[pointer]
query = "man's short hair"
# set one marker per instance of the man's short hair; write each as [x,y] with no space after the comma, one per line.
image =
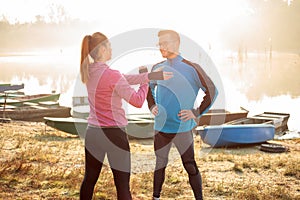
[173,34]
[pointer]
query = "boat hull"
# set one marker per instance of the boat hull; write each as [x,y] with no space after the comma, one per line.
[140,126]
[77,126]
[74,126]
[212,117]
[220,116]
[4,87]
[35,113]
[20,101]
[234,135]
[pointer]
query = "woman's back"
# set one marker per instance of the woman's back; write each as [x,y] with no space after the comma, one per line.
[106,89]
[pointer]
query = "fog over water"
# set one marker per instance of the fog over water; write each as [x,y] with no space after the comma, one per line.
[253,81]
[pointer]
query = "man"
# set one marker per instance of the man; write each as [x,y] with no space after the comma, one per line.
[172,104]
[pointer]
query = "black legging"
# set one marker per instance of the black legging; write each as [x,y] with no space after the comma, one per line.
[185,145]
[113,143]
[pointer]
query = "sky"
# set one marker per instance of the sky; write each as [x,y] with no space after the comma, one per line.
[191,17]
[131,9]
[203,20]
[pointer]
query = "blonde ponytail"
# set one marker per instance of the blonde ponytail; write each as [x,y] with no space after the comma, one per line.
[84,61]
[89,46]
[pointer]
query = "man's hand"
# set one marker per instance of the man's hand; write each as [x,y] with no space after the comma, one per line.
[186,115]
[167,75]
[154,110]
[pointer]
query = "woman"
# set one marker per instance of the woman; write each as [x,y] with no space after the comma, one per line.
[105,134]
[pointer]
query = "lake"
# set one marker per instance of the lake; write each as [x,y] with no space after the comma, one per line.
[254,80]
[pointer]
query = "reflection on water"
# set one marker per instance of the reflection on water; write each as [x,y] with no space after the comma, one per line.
[258,75]
[41,73]
[256,82]
[260,82]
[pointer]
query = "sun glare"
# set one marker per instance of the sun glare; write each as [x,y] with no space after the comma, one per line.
[222,11]
[201,20]
[14,11]
[218,13]
[212,10]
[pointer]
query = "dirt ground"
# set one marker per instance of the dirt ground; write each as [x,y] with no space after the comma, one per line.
[38,162]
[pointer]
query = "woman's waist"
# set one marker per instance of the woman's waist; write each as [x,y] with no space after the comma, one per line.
[105,126]
[107,121]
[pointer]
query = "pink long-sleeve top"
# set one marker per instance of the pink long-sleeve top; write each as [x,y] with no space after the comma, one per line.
[106,89]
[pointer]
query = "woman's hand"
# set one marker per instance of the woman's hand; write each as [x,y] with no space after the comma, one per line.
[143,69]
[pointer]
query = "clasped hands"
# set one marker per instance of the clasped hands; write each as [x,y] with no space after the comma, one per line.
[165,75]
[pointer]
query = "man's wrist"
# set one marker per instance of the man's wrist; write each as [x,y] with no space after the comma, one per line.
[156,75]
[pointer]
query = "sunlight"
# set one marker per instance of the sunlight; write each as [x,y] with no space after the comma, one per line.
[210,14]
[14,11]
[217,14]
[202,21]
[289,2]
[223,11]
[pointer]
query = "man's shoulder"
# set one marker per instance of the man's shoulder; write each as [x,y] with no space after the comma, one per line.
[157,65]
[194,66]
[190,63]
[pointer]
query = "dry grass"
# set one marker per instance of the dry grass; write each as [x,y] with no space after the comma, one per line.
[47,164]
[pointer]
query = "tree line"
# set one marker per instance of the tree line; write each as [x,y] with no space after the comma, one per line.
[273,24]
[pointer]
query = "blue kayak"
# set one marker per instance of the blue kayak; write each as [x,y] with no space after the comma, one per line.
[228,135]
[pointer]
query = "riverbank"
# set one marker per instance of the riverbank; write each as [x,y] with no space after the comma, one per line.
[38,162]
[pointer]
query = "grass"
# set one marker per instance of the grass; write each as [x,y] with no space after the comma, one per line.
[38,162]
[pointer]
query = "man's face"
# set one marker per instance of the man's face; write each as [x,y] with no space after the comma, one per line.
[168,46]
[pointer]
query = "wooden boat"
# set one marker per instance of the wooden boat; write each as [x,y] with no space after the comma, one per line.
[279,120]
[11,94]
[34,112]
[139,125]
[80,100]
[80,111]
[250,130]
[80,107]
[221,116]
[7,86]
[5,120]
[212,117]
[74,126]
[19,101]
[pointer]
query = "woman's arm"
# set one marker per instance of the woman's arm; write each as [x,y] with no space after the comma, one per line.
[135,79]
[126,92]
